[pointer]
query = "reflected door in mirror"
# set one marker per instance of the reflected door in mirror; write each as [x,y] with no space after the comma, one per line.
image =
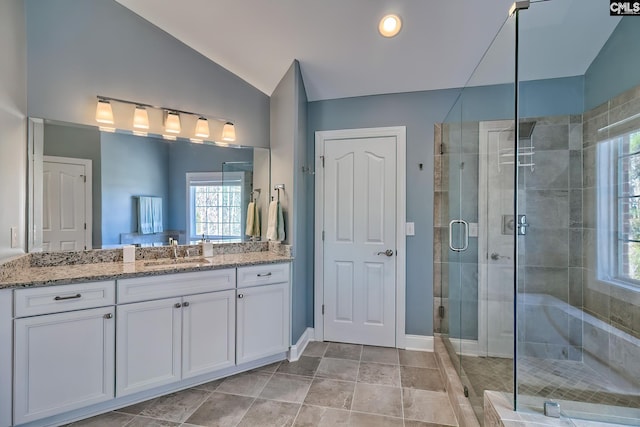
[65,204]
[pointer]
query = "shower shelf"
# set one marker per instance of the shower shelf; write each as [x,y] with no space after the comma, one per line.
[524,157]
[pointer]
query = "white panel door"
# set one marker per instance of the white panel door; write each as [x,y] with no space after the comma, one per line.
[64,206]
[262,321]
[495,254]
[208,332]
[360,226]
[63,362]
[149,345]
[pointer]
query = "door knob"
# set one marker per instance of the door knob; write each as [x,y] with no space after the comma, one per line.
[388,252]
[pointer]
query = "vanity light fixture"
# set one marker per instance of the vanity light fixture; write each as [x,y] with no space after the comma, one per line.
[172,122]
[106,129]
[196,140]
[104,113]
[229,132]
[202,128]
[389,25]
[140,118]
[140,133]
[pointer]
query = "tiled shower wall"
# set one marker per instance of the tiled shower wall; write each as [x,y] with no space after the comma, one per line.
[551,253]
[559,254]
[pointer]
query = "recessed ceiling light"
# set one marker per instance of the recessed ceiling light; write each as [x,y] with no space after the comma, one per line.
[389,25]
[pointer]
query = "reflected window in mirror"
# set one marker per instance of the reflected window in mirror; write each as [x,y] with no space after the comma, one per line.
[215,206]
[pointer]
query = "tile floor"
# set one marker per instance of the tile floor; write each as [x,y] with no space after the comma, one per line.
[331,385]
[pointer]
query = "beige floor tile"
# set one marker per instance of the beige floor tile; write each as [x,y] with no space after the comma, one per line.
[376,373]
[422,378]
[339,369]
[380,355]
[110,419]
[377,399]
[176,407]
[286,388]
[330,393]
[343,351]
[269,413]
[306,366]
[221,410]
[369,420]
[315,349]
[247,384]
[420,359]
[317,416]
[427,406]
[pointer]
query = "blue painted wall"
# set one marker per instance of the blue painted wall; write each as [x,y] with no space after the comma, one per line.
[418,111]
[617,66]
[82,142]
[77,49]
[131,166]
[288,155]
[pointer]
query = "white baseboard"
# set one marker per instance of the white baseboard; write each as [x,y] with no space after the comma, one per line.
[296,350]
[465,347]
[418,342]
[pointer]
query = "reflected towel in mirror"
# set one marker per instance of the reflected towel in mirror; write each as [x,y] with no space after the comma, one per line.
[253,220]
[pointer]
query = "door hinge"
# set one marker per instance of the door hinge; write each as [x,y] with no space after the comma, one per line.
[323,235]
[85,225]
[84,178]
[441,311]
[323,309]
[322,158]
[441,148]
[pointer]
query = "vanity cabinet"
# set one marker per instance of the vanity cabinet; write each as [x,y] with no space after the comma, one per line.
[166,340]
[263,311]
[62,361]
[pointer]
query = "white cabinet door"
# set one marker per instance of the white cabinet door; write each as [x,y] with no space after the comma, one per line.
[262,321]
[63,362]
[148,339]
[208,332]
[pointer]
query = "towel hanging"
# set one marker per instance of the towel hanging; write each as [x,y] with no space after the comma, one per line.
[275,227]
[253,220]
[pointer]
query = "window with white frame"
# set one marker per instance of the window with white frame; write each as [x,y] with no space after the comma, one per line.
[214,206]
[618,206]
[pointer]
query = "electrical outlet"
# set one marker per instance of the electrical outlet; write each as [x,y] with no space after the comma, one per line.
[411,230]
[14,237]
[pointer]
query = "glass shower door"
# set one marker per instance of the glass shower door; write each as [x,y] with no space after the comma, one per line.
[477,204]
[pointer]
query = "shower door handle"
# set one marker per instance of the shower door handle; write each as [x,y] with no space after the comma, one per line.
[465,244]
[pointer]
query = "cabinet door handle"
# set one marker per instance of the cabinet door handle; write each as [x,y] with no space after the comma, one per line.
[108,316]
[240,296]
[186,304]
[59,298]
[178,305]
[264,274]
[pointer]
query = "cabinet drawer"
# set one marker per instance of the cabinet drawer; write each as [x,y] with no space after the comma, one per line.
[264,274]
[175,285]
[55,299]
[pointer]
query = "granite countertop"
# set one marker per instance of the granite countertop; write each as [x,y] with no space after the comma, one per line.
[80,273]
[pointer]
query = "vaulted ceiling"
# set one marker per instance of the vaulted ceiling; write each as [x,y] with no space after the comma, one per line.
[342,55]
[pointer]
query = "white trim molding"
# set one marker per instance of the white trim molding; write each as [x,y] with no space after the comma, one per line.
[400,134]
[466,347]
[418,342]
[297,349]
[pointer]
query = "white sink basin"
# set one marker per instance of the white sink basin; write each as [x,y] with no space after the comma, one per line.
[181,262]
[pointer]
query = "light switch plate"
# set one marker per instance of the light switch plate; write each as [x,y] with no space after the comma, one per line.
[14,237]
[473,229]
[411,229]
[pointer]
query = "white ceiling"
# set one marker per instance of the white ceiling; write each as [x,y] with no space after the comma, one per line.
[342,55]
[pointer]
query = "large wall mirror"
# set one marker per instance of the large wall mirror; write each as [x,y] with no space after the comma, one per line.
[95,189]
